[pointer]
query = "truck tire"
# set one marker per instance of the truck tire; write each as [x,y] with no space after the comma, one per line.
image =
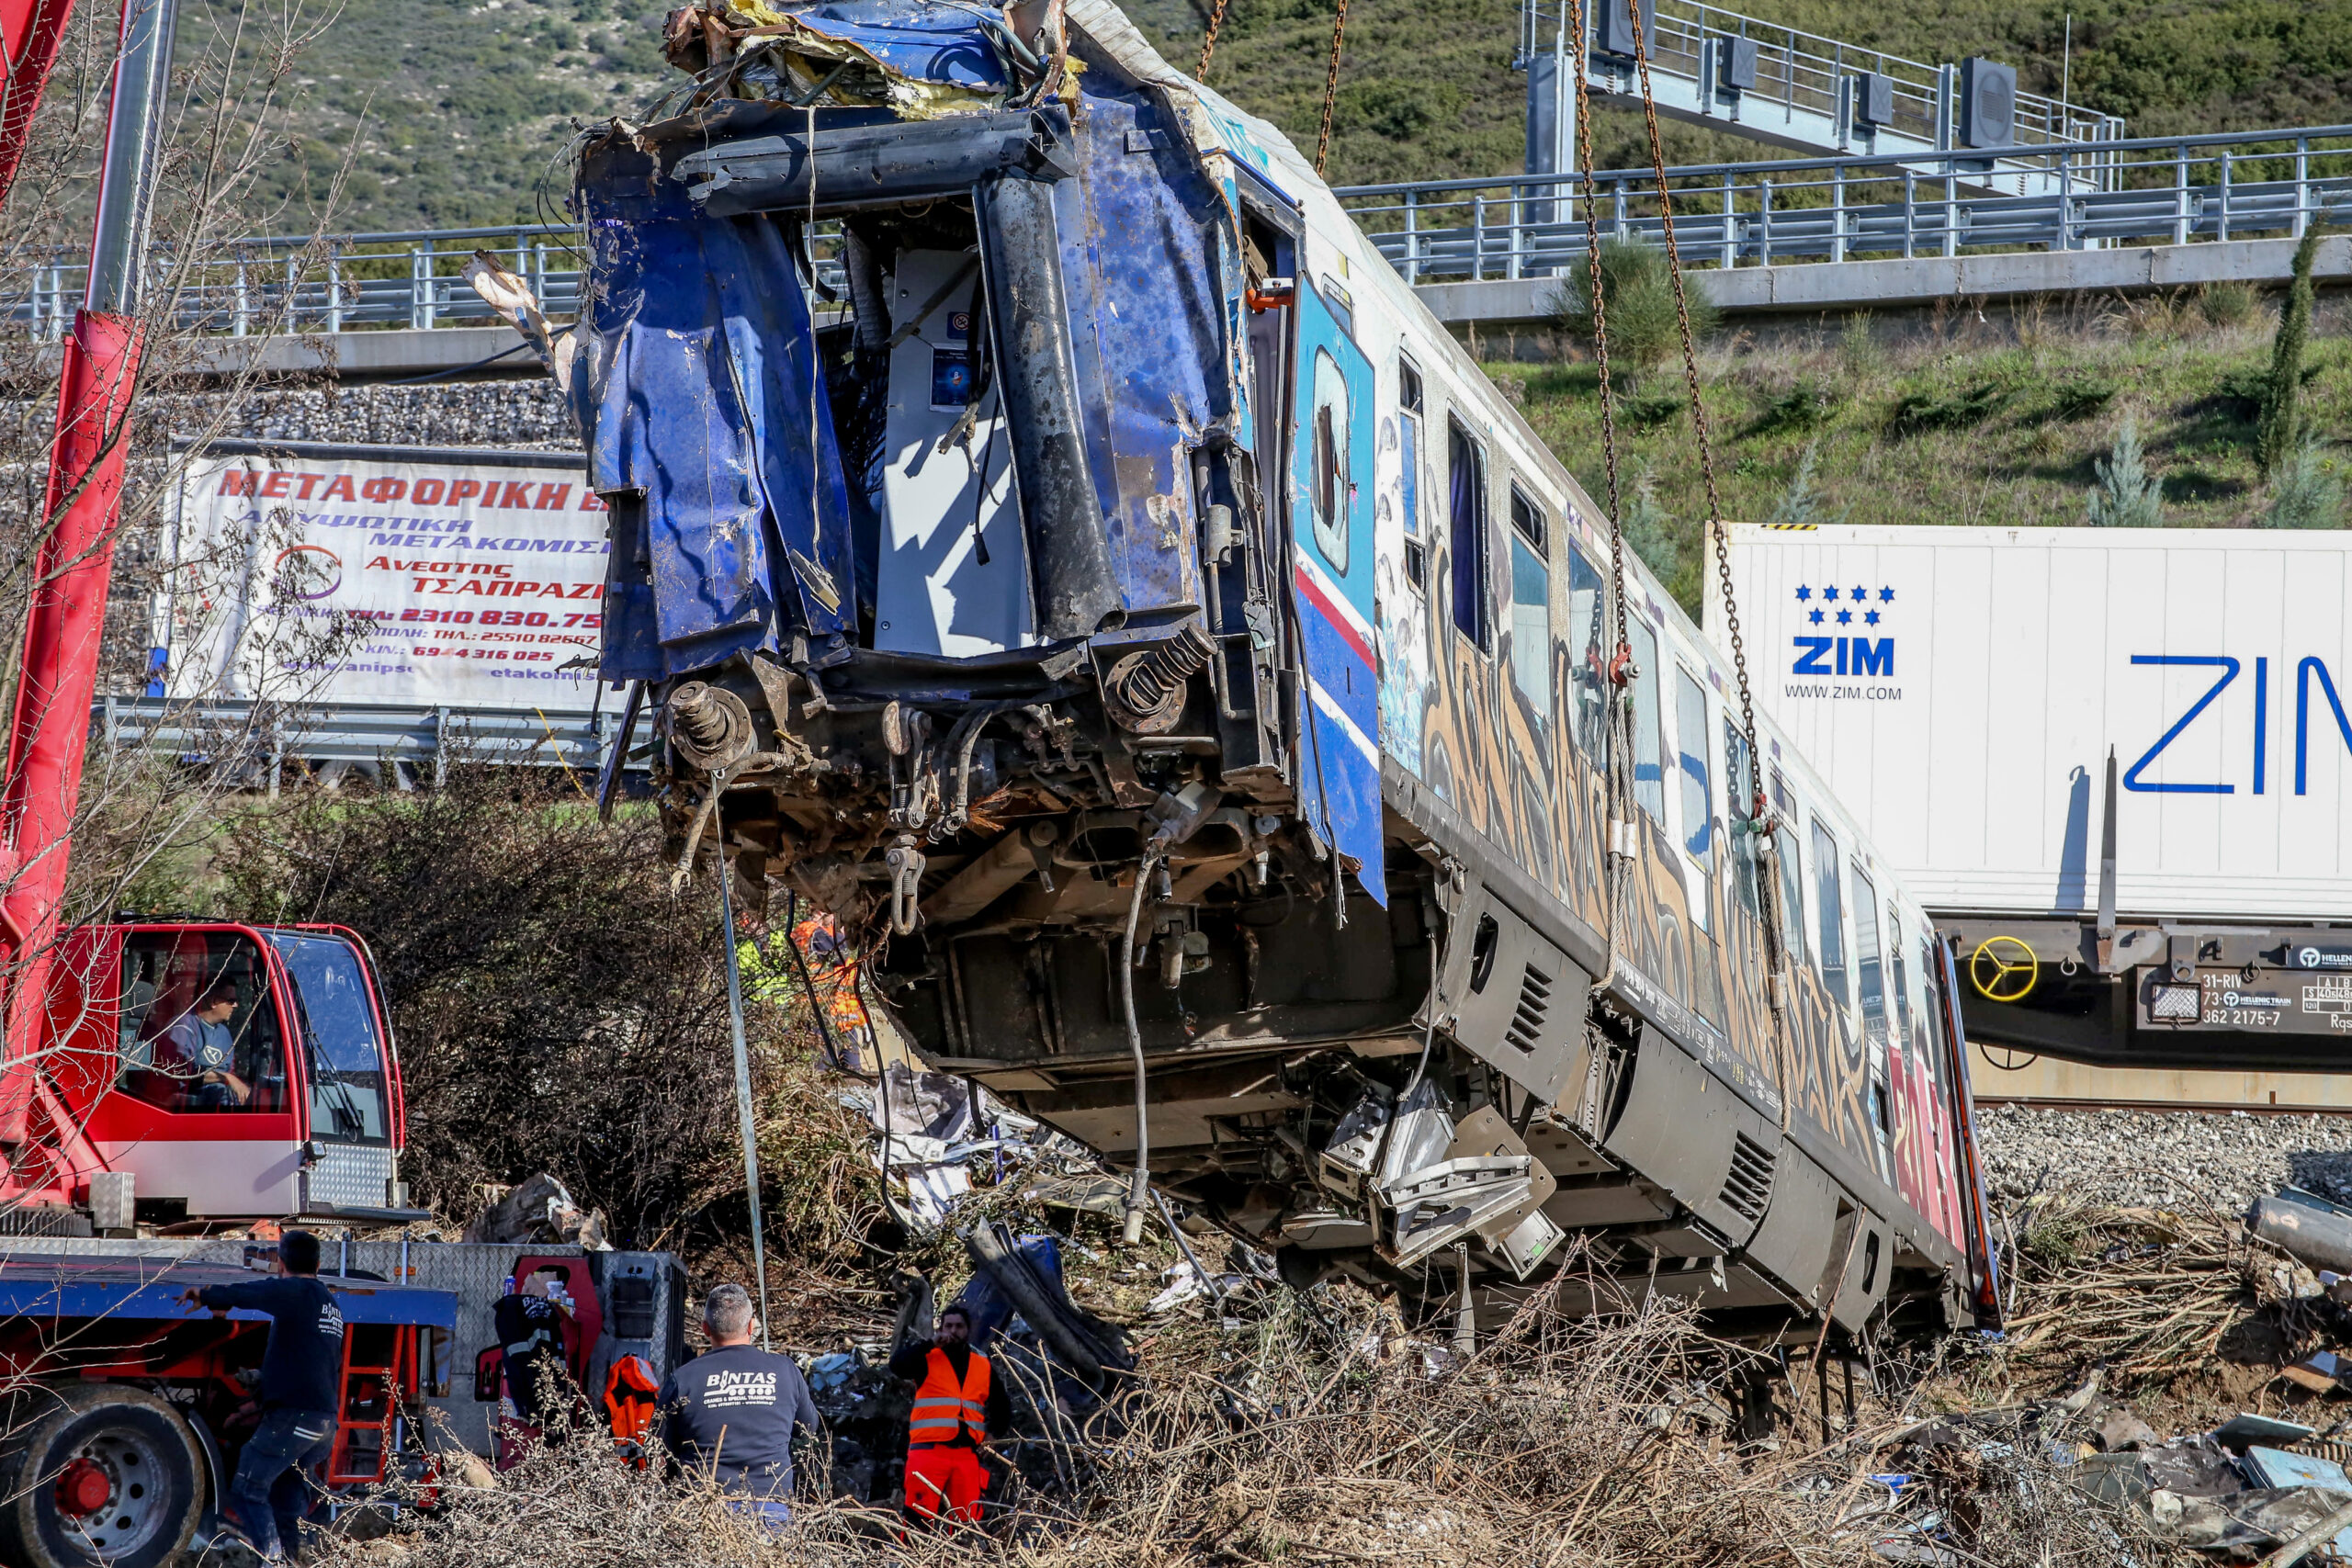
[102,1473]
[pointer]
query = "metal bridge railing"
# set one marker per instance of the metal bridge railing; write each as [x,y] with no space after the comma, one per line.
[1804,82]
[2162,190]
[2169,190]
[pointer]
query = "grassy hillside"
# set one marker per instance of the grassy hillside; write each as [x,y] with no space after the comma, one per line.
[452,110]
[1993,424]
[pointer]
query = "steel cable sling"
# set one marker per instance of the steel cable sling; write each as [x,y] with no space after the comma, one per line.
[1719,537]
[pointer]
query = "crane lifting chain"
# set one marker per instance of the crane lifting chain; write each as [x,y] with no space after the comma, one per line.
[1331,83]
[1760,817]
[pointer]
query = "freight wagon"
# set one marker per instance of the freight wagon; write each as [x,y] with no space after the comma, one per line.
[2113,764]
[1118,596]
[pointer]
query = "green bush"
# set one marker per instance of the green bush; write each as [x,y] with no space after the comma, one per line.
[2306,491]
[1806,406]
[2126,495]
[2282,414]
[1949,408]
[1637,301]
[2229,303]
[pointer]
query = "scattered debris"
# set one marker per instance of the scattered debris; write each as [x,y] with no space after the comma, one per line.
[539,1211]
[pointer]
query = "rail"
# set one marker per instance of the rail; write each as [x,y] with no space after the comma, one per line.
[2159,190]
[2155,190]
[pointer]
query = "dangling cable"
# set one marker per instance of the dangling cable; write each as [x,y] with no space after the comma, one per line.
[1617,852]
[1719,540]
[1139,1187]
[746,1122]
[1330,82]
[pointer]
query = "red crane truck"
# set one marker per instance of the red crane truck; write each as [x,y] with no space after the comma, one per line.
[193,1071]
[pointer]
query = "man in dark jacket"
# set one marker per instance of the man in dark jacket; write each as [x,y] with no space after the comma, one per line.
[301,1367]
[959,1402]
[731,1411]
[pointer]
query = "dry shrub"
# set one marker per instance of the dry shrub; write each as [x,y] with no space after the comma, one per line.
[1315,1434]
[557,1007]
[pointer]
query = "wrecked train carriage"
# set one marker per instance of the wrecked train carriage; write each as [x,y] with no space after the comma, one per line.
[1121,560]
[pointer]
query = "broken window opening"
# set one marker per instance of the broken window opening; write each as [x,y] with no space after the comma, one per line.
[1466,532]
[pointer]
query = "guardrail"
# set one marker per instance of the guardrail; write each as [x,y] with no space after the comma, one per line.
[2161,190]
[251,742]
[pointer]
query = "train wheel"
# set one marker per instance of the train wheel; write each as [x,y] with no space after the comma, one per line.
[104,1474]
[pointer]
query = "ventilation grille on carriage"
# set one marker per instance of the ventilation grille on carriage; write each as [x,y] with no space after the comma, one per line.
[1749,1185]
[1526,1030]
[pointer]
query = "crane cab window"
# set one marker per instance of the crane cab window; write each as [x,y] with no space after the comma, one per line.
[1589,635]
[1531,606]
[1829,910]
[1409,439]
[199,1030]
[1467,531]
[343,1054]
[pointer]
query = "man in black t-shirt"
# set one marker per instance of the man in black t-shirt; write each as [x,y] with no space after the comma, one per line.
[731,1411]
[301,1374]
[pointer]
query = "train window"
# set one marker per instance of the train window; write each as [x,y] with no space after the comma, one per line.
[1650,770]
[1902,981]
[1869,973]
[1467,530]
[1792,855]
[1829,909]
[1328,471]
[1529,519]
[199,1028]
[1408,438]
[1530,624]
[1690,760]
[1588,633]
[1932,999]
[1739,796]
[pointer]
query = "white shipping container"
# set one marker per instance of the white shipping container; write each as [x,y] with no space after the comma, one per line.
[1961,690]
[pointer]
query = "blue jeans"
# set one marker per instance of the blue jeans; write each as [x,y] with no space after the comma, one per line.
[267,1500]
[771,1513]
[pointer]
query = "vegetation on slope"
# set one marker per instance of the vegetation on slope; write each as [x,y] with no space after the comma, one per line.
[1997,422]
[452,110]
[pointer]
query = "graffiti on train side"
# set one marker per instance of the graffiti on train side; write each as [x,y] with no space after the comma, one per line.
[1452,713]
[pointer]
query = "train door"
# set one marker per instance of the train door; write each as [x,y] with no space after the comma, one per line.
[1331,490]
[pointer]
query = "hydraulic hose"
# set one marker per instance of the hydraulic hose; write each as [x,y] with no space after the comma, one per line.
[1139,1190]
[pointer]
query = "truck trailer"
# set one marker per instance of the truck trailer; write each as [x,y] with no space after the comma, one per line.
[2116,765]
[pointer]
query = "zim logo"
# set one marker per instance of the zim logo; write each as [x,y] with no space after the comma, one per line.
[1836,652]
[1854,655]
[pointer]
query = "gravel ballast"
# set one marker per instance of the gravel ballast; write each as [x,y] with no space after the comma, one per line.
[2171,1159]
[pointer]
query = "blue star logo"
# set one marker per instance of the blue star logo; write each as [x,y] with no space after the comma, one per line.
[1859,594]
[1886,595]
[1803,594]
[1829,593]
[1872,618]
[1845,617]
[1817,618]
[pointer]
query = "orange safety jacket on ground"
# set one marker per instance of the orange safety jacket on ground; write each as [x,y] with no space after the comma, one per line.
[944,1407]
[630,1404]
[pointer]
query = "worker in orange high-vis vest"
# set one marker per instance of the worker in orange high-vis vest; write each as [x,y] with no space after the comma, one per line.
[832,976]
[959,1404]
